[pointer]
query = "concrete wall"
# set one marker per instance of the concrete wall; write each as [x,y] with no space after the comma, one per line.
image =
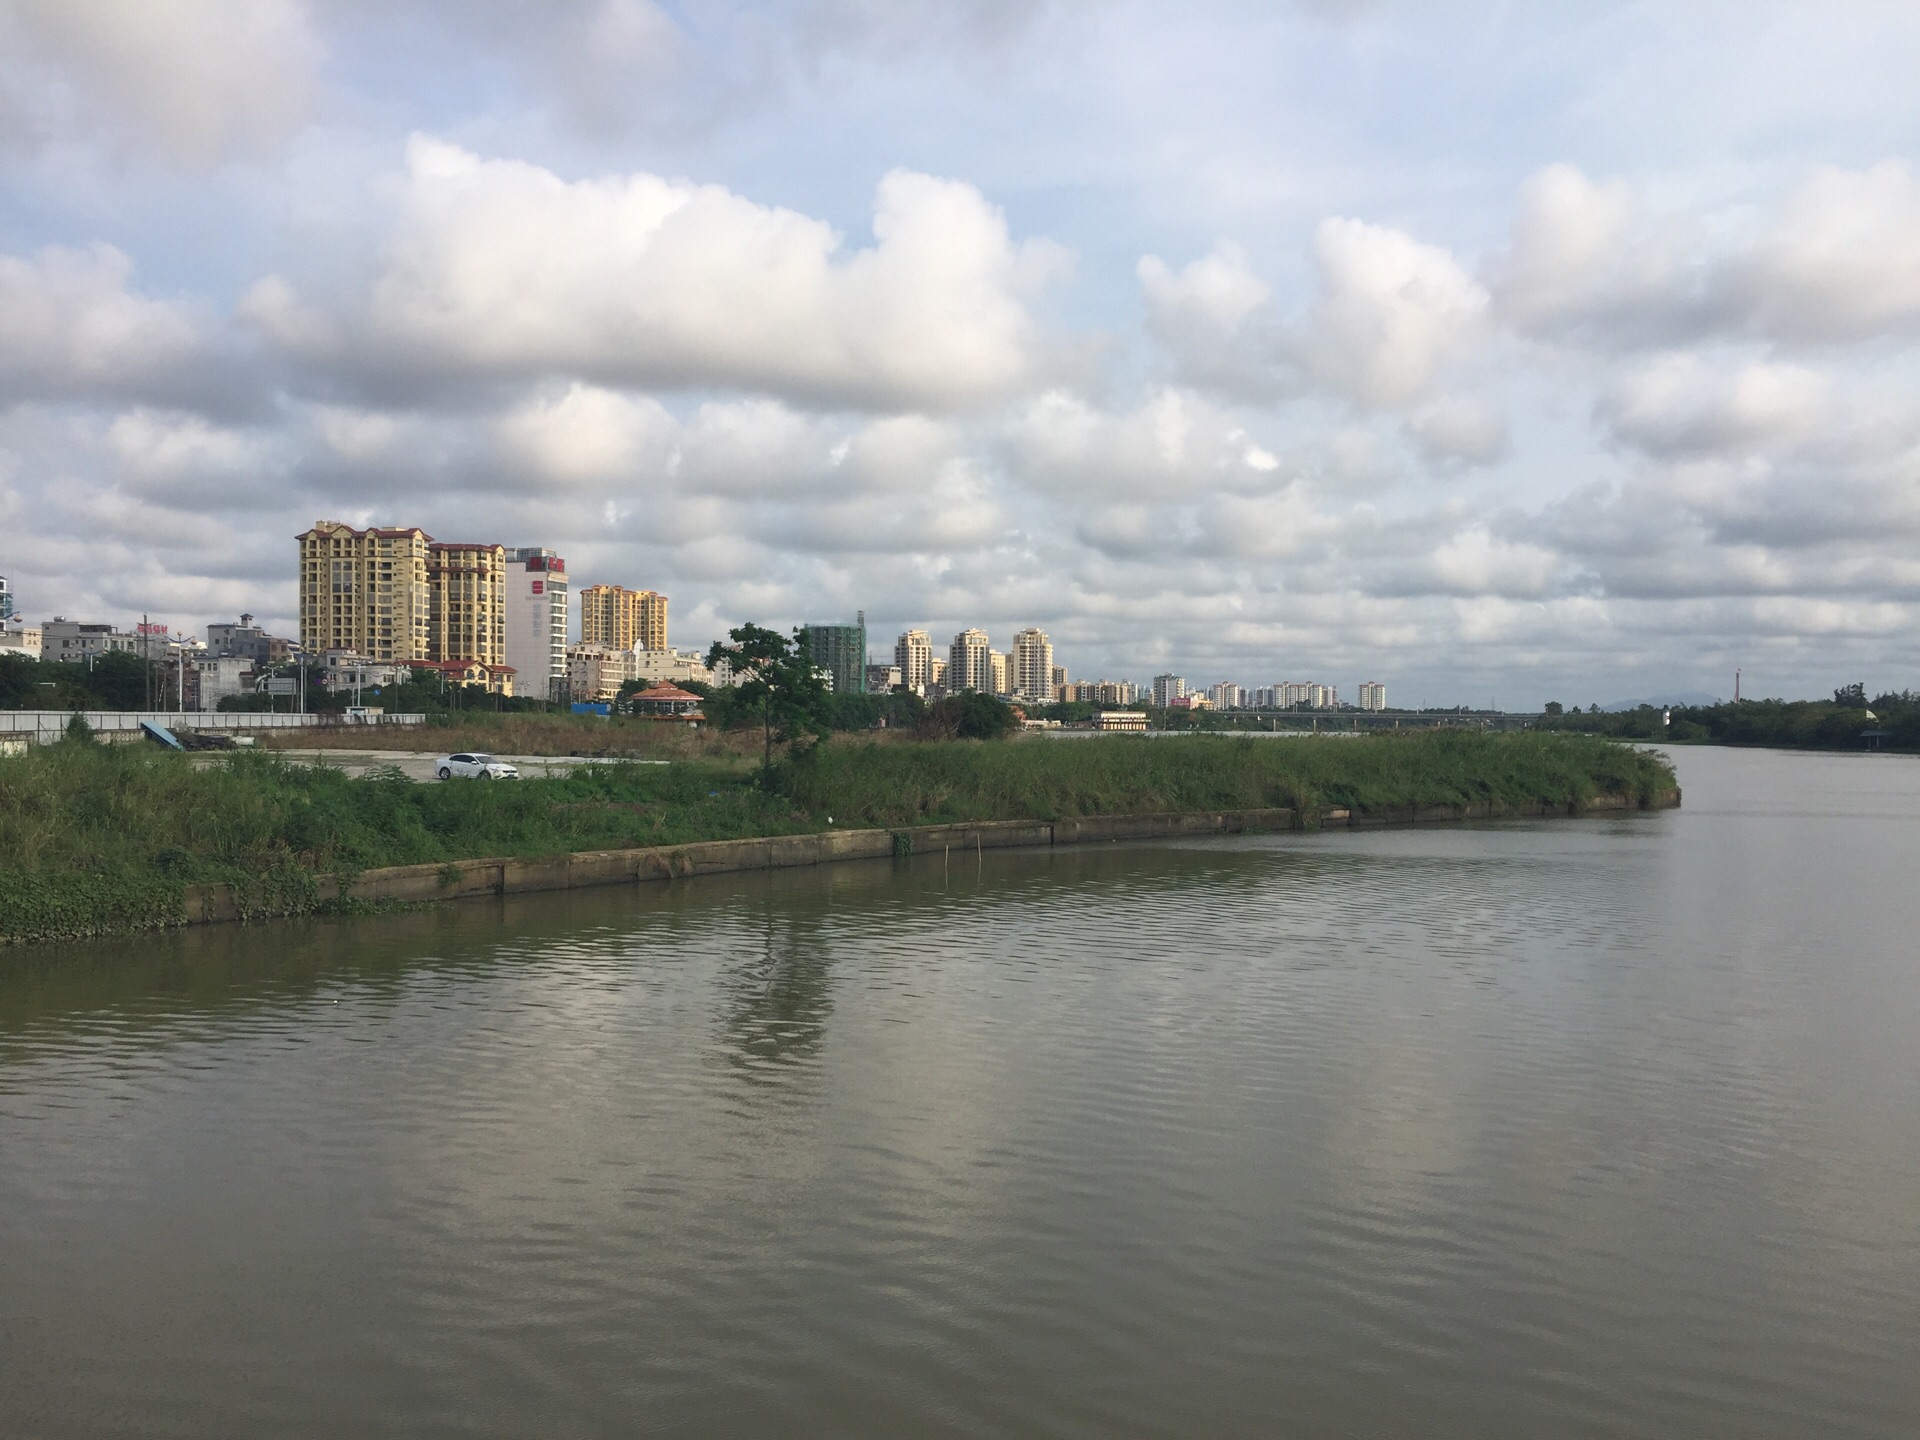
[462,879]
[43,727]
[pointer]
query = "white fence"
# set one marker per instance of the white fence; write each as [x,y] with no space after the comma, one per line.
[43,727]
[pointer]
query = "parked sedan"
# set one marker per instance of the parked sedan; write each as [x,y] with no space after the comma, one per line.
[474,767]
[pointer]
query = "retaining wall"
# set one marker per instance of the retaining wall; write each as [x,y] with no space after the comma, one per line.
[44,727]
[514,875]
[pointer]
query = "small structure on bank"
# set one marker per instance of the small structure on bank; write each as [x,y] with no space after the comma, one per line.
[667,701]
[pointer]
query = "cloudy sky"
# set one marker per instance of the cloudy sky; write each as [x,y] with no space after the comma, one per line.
[1496,351]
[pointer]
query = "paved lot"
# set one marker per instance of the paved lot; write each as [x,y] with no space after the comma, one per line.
[419,764]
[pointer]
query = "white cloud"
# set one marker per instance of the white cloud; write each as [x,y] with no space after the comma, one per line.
[200,79]
[1842,261]
[70,325]
[1391,312]
[1585,263]
[1459,429]
[498,267]
[1214,317]
[1475,562]
[1174,443]
[1677,405]
[583,435]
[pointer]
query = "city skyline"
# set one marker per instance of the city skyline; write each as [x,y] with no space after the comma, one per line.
[1232,337]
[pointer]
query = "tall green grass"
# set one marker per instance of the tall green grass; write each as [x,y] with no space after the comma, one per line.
[95,839]
[100,838]
[1047,779]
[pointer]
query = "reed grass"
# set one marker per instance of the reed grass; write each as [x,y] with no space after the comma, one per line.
[96,839]
[1049,778]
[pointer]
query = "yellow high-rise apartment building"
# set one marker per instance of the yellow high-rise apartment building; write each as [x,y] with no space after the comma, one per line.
[467,594]
[623,619]
[399,595]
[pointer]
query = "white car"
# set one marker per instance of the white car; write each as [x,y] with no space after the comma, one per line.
[474,767]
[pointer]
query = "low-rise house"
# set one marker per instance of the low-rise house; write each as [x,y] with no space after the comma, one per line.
[1124,720]
[498,679]
[350,670]
[667,702]
[597,672]
[213,678]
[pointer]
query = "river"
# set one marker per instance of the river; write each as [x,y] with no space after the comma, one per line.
[1572,1128]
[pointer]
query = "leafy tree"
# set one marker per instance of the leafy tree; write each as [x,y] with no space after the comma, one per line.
[1554,708]
[120,679]
[970,716]
[778,681]
[1853,696]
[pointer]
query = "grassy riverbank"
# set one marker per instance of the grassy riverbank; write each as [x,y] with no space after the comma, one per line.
[95,839]
[867,784]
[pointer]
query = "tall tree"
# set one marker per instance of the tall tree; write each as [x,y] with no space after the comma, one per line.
[775,675]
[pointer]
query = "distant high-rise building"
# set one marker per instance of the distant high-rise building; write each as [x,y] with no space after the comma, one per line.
[1167,689]
[841,651]
[1030,666]
[1059,680]
[1227,695]
[913,655]
[1099,692]
[997,672]
[6,600]
[467,602]
[970,663]
[1373,695]
[365,591]
[937,668]
[537,621]
[623,619]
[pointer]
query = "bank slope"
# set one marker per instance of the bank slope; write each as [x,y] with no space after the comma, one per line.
[96,839]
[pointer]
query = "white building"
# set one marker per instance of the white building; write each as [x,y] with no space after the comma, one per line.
[6,601]
[1030,666]
[537,615]
[1373,695]
[1123,720]
[970,663]
[63,639]
[1167,689]
[883,679]
[218,676]
[913,657]
[21,640]
[350,670]
[1227,696]
[596,672]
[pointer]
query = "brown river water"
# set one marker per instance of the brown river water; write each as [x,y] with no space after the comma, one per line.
[1606,1127]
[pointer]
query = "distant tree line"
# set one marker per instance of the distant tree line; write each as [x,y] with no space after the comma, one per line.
[1836,724]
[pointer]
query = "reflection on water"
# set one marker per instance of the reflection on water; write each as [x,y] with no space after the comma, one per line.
[1592,1128]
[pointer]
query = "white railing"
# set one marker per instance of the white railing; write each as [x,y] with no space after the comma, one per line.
[43,727]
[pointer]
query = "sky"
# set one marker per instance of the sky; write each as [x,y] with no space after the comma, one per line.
[1503,353]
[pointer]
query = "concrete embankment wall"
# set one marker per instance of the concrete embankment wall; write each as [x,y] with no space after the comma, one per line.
[464,879]
[45,727]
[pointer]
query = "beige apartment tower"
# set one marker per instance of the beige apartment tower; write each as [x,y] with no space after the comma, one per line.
[397,595]
[623,619]
[970,663]
[467,596]
[1030,666]
[913,653]
[365,591]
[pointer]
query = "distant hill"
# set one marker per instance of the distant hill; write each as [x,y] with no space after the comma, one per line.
[1671,697]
